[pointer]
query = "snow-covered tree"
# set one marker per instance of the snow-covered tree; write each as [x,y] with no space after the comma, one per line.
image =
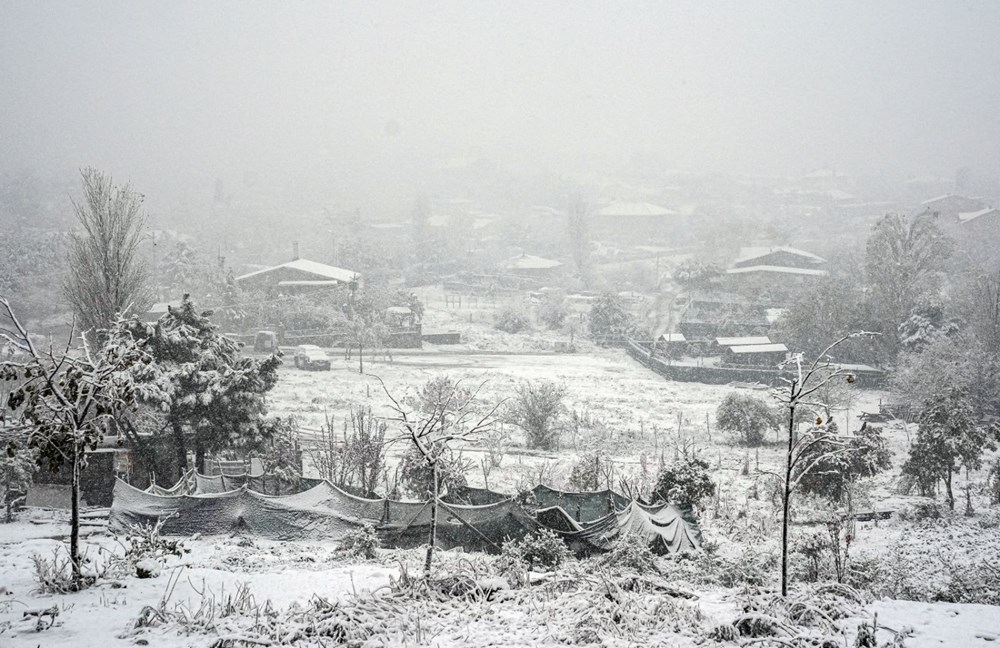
[445,413]
[107,274]
[64,403]
[210,396]
[949,438]
[746,417]
[537,408]
[904,260]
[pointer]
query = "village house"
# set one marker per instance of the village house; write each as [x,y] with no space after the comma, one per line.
[297,276]
[636,223]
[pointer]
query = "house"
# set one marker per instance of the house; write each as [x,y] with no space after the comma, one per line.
[300,275]
[950,205]
[781,256]
[755,355]
[635,222]
[532,267]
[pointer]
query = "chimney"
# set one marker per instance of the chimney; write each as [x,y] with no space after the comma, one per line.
[295,250]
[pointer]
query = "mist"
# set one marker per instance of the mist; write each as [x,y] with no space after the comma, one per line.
[361,104]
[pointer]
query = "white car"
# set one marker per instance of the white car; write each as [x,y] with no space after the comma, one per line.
[311,357]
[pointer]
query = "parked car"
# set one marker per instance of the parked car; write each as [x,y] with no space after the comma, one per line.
[311,357]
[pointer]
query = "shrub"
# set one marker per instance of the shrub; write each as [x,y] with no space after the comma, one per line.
[585,474]
[609,318]
[361,542]
[631,551]
[553,313]
[685,484]
[754,566]
[994,482]
[511,320]
[544,549]
[55,576]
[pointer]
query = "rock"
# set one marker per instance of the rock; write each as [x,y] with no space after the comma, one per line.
[147,568]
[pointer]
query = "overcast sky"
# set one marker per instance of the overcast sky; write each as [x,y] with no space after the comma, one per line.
[369,94]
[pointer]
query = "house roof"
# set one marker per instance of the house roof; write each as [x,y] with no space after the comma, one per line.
[311,267]
[811,272]
[743,341]
[759,348]
[673,337]
[965,217]
[750,253]
[530,262]
[626,209]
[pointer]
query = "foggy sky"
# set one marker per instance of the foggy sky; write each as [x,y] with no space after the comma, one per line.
[372,96]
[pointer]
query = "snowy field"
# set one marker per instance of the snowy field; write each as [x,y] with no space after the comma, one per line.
[219,589]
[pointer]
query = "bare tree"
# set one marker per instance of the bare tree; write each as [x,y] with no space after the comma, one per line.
[802,392]
[64,403]
[450,416]
[107,275]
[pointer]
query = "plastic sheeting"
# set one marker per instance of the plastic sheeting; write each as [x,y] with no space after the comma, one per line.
[664,527]
[592,523]
[583,507]
[322,512]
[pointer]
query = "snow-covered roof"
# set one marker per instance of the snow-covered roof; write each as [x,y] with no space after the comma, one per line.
[625,209]
[311,267]
[750,253]
[811,272]
[965,217]
[530,262]
[759,348]
[743,341]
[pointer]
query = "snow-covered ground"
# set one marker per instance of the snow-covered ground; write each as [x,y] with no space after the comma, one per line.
[646,418]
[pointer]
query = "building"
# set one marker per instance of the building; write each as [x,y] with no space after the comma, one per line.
[300,275]
[755,355]
[780,256]
[532,267]
[635,222]
[950,205]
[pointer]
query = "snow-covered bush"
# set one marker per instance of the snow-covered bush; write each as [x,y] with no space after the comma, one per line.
[55,575]
[511,320]
[361,542]
[685,484]
[544,549]
[553,312]
[631,552]
[17,466]
[755,566]
[585,474]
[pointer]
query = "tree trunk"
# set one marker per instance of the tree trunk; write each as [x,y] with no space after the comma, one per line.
[433,534]
[786,491]
[361,359]
[968,495]
[179,446]
[951,495]
[74,519]
[199,457]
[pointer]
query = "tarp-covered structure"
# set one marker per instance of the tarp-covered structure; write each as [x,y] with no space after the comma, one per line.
[584,507]
[664,527]
[589,522]
[321,512]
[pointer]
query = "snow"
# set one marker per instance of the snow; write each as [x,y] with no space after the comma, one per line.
[934,625]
